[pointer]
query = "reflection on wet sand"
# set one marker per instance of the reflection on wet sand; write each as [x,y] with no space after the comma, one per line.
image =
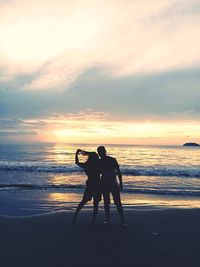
[33,202]
[160,201]
[63,197]
[140,200]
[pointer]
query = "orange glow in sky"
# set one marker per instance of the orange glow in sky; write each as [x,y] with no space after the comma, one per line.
[102,131]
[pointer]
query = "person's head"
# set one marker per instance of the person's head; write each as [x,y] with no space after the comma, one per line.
[101,151]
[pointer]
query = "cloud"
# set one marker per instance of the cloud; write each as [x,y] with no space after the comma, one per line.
[139,97]
[34,126]
[165,96]
[16,133]
[61,40]
[98,67]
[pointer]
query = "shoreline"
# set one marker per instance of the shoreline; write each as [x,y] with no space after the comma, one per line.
[27,202]
[156,238]
[89,209]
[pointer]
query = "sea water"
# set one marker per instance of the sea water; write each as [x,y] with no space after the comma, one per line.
[43,177]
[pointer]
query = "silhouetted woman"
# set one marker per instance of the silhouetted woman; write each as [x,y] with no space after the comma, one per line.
[92,190]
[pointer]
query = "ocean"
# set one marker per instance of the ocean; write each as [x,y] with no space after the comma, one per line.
[43,177]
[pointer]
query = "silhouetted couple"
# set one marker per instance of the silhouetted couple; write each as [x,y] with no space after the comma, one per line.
[102,176]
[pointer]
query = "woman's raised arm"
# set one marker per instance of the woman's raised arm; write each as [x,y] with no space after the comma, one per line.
[80,164]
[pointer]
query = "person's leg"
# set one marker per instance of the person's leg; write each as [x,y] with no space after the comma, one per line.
[86,197]
[95,209]
[106,198]
[80,206]
[117,201]
[120,211]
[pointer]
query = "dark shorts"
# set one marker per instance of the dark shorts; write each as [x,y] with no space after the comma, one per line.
[92,192]
[114,190]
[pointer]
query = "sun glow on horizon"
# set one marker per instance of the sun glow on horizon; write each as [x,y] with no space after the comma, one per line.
[99,127]
[125,132]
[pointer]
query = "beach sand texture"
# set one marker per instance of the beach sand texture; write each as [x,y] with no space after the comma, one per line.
[169,237]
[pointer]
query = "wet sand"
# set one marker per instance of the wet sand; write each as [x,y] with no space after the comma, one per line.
[158,238]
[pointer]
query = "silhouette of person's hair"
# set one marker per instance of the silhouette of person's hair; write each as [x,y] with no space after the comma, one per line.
[92,157]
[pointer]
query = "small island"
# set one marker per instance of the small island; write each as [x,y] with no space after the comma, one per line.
[191,144]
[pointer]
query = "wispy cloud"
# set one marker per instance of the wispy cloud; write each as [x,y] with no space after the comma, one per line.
[165,96]
[62,39]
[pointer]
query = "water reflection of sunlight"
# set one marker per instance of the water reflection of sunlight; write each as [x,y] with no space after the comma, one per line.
[160,201]
[60,154]
[63,197]
[64,154]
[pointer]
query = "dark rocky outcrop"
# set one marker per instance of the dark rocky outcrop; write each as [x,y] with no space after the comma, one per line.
[191,144]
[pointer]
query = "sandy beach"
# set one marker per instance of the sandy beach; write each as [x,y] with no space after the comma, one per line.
[161,238]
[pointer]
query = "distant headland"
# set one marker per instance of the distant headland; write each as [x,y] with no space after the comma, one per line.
[191,144]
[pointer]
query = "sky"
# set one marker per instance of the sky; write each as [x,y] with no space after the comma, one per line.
[109,71]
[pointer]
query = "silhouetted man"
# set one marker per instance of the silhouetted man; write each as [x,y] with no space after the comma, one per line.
[109,168]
